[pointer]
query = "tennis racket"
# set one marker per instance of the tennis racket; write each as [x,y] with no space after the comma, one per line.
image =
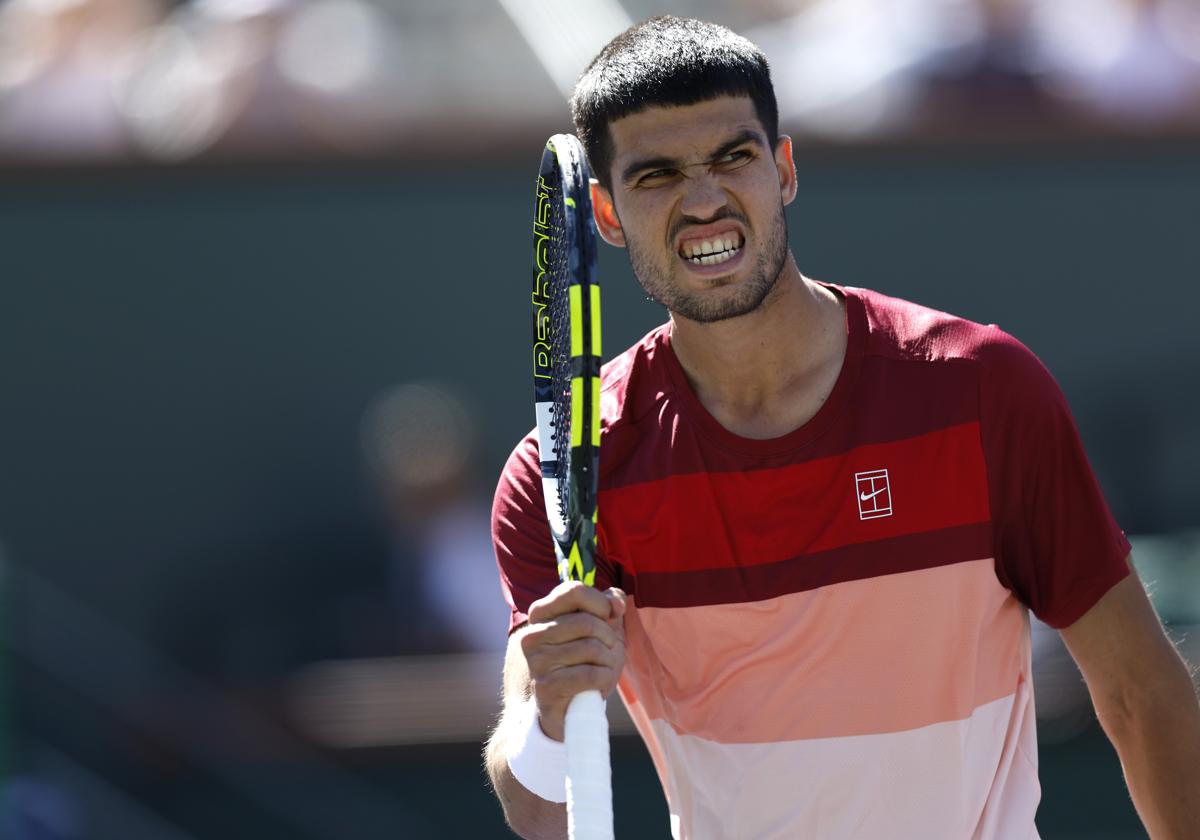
[566,386]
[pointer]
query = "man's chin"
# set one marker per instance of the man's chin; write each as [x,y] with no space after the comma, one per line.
[723,303]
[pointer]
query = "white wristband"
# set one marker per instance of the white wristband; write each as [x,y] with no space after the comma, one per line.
[535,759]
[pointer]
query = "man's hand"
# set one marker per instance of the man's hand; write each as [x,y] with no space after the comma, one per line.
[575,641]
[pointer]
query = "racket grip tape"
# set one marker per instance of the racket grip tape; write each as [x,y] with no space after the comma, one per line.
[589,775]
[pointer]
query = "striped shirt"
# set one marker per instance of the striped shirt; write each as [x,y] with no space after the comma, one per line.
[828,634]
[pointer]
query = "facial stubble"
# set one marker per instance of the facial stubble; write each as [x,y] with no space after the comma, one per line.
[709,306]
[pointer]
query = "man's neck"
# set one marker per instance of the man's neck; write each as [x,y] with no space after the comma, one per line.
[763,374]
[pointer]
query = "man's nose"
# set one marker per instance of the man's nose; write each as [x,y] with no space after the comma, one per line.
[703,196]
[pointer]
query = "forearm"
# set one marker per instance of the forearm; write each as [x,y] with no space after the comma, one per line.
[527,814]
[1158,741]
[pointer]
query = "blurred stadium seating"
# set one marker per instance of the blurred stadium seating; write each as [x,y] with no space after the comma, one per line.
[101,80]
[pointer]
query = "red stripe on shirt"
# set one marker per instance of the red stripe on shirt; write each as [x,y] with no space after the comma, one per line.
[935,481]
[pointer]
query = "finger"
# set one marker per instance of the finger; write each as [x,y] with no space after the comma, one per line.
[564,683]
[617,602]
[566,628]
[568,597]
[549,658]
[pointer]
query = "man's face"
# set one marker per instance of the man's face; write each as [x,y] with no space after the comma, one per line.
[699,196]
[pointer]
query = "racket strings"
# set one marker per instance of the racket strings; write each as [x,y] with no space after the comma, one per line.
[560,348]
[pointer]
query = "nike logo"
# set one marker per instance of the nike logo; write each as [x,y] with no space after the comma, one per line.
[867,496]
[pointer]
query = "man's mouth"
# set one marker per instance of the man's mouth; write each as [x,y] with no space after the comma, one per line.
[713,250]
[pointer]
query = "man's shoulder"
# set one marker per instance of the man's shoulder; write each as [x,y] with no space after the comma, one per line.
[1009,376]
[906,331]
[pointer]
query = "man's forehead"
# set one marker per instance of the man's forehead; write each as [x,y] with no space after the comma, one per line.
[682,130]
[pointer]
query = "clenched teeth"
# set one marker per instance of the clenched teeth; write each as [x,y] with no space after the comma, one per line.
[713,259]
[728,242]
[713,251]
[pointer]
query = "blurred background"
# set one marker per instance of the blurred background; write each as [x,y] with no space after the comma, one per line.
[263,311]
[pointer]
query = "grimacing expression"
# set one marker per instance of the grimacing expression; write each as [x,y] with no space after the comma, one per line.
[698,194]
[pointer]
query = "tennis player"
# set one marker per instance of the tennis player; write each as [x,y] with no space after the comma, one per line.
[825,515]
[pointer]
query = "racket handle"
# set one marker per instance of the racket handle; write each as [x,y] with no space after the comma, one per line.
[589,776]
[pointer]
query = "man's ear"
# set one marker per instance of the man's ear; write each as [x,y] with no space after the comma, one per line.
[605,214]
[786,165]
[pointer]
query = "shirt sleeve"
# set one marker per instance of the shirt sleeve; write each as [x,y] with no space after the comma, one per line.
[521,535]
[1057,546]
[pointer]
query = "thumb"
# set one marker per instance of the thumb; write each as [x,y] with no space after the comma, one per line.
[616,601]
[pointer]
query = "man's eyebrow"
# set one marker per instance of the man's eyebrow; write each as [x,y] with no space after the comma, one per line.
[746,135]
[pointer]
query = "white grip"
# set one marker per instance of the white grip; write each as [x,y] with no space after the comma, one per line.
[589,777]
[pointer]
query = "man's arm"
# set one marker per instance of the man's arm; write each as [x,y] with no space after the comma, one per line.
[527,814]
[574,641]
[1146,702]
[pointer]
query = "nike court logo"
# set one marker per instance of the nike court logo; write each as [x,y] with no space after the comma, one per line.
[874,494]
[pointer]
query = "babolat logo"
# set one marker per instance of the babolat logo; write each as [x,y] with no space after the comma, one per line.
[542,365]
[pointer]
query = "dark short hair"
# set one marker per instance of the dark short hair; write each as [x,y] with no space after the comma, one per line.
[667,61]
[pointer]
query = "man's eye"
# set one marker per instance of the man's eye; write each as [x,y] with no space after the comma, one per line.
[655,176]
[733,158]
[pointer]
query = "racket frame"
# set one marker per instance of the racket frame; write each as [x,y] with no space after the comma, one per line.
[563,177]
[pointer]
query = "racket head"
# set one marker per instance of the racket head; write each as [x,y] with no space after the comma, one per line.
[567,353]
